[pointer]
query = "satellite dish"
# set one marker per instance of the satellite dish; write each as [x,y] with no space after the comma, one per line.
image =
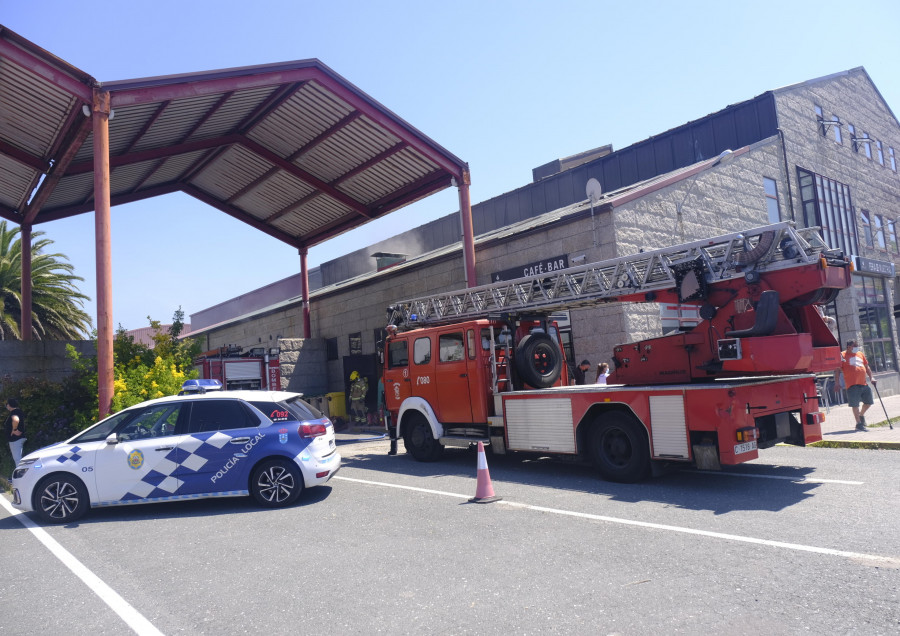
[593,190]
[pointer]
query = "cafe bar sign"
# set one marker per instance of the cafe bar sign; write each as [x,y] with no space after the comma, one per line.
[538,268]
[873,266]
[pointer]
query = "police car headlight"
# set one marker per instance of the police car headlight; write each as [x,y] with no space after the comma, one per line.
[24,465]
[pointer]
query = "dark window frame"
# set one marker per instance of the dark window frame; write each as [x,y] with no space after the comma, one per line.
[827,203]
[331,349]
[354,343]
[875,318]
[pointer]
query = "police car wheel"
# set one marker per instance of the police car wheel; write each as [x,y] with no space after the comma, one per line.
[60,498]
[276,483]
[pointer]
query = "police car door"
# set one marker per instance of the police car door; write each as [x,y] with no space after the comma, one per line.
[140,461]
[217,452]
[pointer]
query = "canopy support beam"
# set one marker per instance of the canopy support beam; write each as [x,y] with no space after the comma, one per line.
[103,240]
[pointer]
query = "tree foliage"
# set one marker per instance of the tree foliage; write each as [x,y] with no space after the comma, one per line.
[140,373]
[56,303]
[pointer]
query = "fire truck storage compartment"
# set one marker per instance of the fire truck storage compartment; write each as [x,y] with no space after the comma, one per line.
[540,424]
[669,426]
[242,375]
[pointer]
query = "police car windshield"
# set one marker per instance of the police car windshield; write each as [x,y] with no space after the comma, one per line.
[102,429]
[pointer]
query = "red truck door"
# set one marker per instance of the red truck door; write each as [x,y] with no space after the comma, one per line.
[454,401]
[397,385]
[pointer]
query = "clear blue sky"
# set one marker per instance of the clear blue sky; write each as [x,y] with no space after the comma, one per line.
[506,86]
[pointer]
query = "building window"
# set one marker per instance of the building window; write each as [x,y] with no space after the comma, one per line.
[867,228]
[852,130]
[355,342]
[892,236]
[826,204]
[892,159]
[879,232]
[331,348]
[771,188]
[867,145]
[837,128]
[880,152]
[820,119]
[875,322]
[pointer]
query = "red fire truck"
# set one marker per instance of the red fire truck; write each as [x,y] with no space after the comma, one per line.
[486,363]
[258,368]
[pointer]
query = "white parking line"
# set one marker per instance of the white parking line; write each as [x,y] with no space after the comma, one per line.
[874,559]
[801,480]
[134,619]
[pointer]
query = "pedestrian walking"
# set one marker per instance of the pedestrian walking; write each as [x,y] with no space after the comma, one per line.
[15,430]
[855,369]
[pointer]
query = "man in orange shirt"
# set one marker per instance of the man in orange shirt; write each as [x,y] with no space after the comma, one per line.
[856,369]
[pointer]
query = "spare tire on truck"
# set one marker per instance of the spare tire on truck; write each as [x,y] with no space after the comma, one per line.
[538,360]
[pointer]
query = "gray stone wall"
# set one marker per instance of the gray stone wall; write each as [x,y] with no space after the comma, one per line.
[41,359]
[874,187]
[723,199]
[302,361]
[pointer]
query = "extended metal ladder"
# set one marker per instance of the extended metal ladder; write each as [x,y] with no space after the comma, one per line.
[765,248]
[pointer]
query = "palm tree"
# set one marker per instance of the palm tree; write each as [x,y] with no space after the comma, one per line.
[56,303]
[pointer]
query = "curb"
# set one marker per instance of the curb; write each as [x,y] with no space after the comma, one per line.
[827,443]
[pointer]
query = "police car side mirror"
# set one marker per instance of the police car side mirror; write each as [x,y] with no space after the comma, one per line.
[112,438]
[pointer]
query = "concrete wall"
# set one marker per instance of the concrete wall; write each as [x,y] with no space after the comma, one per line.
[873,187]
[302,361]
[42,359]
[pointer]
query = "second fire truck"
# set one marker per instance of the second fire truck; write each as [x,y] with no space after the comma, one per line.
[486,363]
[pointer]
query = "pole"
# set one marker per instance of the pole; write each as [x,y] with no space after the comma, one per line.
[468,239]
[26,321]
[103,246]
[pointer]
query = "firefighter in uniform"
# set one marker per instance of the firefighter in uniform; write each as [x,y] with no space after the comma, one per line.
[358,388]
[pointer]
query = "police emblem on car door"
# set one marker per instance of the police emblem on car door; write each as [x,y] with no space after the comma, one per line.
[139,459]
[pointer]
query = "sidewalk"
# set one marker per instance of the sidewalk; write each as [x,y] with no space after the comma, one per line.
[839,427]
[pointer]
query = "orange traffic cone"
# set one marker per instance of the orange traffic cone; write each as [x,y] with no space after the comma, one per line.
[484,492]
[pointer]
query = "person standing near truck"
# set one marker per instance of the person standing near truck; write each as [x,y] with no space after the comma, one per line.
[580,370]
[358,388]
[15,430]
[855,369]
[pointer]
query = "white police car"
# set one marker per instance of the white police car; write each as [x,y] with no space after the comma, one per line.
[267,444]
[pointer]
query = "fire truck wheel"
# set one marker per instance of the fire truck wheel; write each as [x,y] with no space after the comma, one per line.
[538,360]
[619,448]
[276,483]
[419,442]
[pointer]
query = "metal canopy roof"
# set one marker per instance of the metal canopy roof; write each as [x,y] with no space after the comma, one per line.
[292,149]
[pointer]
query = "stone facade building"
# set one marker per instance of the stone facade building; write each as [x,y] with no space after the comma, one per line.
[819,153]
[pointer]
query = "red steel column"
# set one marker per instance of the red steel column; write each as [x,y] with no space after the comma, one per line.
[304,285]
[465,213]
[103,241]
[25,319]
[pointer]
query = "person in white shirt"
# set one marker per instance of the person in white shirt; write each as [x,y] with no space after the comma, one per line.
[602,373]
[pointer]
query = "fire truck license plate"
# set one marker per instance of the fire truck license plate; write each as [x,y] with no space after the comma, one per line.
[746,447]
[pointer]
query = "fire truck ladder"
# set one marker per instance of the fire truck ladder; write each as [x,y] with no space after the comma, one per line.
[740,254]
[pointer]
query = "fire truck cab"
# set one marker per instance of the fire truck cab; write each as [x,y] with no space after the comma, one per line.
[440,381]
